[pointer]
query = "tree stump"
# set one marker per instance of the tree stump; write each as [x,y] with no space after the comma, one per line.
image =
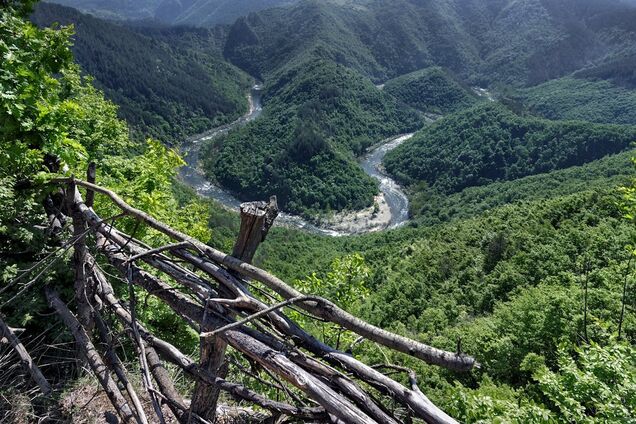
[256,220]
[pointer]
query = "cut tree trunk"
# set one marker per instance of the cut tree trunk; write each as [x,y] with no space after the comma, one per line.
[256,220]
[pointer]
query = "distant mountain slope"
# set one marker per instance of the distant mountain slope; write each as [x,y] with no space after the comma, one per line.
[431,90]
[598,101]
[494,42]
[213,12]
[429,207]
[187,12]
[522,42]
[168,84]
[378,38]
[488,143]
[114,9]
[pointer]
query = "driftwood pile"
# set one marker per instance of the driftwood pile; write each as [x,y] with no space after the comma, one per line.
[230,303]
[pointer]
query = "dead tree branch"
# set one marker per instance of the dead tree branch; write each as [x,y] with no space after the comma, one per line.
[210,291]
[25,358]
[93,358]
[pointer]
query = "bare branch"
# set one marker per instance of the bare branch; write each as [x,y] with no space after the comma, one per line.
[92,356]
[26,359]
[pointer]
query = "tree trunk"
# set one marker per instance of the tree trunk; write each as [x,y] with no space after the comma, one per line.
[256,220]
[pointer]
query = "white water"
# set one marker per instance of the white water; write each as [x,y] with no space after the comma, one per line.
[371,163]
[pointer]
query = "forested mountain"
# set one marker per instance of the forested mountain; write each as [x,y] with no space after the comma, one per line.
[520,247]
[593,100]
[511,285]
[496,43]
[431,90]
[430,207]
[515,42]
[489,143]
[213,12]
[168,83]
[379,39]
[115,9]
[187,12]
[318,117]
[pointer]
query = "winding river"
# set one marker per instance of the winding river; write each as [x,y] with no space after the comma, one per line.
[395,199]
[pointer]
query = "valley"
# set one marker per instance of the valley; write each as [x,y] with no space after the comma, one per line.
[453,174]
[392,203]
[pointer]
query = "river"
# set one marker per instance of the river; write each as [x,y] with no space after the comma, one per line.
[395,199]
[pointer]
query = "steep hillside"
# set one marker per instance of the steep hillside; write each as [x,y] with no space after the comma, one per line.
[180,12]
[429,207]
[377,38]
[317,118]
[114,9]
[489,143]
[168,84]
[520,43]
[509,284]
[521,253]
[598,101]
[208,13]
[431,90]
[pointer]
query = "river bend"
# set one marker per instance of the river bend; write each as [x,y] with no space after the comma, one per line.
[371,163]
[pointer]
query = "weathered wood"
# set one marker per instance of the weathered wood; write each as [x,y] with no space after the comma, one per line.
[143,361]
[175,356]
[194,313]
[159,373]
[80,263]
[267,341]
[416,400]
[256,220]
[206,396]
[165,385]
[258,351]
[91,176]
[36,374]
[325,309]
[118,367]
[87,349]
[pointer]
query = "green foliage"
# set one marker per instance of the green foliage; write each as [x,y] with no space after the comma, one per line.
[54,123]
[520,43]
[377,39]
[492,403]
[431,90]
[214,12]
[507,283]
[169,83]
[428,206]
[598,384]
[489,143]
[177,12]
[115,9]
[346,285]
[318,116]
[598,101]
[592,383]
[502,282]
